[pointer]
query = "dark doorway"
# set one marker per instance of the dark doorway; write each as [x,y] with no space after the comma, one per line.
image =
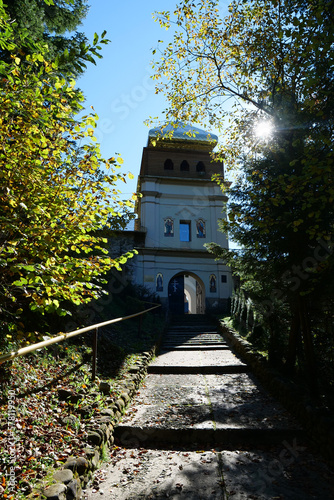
[176,295]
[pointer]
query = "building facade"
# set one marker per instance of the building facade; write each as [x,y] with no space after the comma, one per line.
[177,214]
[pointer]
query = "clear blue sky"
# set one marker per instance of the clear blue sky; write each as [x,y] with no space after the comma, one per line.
[119,86]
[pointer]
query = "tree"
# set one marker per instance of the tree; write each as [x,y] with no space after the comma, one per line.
[51,22]
[56,191]
[254,63]
[272,60]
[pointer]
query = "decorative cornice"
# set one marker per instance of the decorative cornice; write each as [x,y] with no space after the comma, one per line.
[185,209]
[182,252]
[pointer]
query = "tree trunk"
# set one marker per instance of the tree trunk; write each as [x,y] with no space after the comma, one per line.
[294,336]
[311,366]
[272,348]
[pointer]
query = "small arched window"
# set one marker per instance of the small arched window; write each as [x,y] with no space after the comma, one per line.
[200,167]
[168,164]
[184,167]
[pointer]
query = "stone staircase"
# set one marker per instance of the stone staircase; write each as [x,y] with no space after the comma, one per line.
[199,393]
[199,405]
[192,332]
[192,346]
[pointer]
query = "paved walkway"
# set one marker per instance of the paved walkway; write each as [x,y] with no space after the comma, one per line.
[201,427]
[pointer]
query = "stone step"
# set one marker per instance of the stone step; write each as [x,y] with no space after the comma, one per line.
[153,437]
[183,318]
[196,359]
[177,341]
[198,336]
[190,332]
[209,369]
[193,347]
[227,408]
[195,326]
[286,471]
[200,345]
[193,335]
[185,338]
[186,329]
[193,341]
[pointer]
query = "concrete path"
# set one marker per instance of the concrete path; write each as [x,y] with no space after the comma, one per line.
[201,427]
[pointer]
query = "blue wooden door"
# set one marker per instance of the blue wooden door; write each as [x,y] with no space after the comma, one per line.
[176,295]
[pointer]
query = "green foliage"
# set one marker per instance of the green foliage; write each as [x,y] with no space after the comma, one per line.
[266,58]
[56,191]
[51,23]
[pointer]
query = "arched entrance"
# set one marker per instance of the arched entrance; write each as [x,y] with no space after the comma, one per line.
[186,294]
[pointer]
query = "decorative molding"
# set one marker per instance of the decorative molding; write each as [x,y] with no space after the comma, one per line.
[185,210]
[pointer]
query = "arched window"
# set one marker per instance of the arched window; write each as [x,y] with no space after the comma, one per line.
[200,167]
[184,167]
[168,164]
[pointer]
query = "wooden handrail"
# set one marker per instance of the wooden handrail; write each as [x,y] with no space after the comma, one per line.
[65,336]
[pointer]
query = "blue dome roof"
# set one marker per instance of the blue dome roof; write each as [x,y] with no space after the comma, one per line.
[181,132]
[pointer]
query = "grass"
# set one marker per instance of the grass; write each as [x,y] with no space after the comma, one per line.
[256,342]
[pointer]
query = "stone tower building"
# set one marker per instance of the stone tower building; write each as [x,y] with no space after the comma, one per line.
[177,214]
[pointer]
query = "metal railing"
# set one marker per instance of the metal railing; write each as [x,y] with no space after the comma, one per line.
[65,336]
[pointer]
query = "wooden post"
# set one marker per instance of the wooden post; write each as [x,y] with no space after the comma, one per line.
[94,342]
[140,324]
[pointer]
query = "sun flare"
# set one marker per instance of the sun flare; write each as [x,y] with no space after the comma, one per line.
[263,129]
